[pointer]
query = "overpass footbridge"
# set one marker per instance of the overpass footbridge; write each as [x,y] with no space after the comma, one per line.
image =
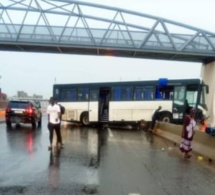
[75,27]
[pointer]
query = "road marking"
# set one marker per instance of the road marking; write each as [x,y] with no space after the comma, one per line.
[110,132]
[133,194]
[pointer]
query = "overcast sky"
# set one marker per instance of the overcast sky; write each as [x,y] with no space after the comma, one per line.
[36,73]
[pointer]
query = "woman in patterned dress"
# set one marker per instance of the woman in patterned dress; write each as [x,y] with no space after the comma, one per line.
[188,133]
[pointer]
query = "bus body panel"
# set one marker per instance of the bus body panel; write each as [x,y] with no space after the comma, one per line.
[136,110]
[93,111]
[74,110]
[119,111]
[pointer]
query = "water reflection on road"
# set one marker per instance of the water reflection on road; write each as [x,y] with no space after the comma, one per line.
[23,140]
[54,167]
[100,160]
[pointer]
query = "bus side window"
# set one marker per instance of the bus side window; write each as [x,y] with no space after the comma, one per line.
[63,95]
[171,95]
[166,92]
[116,93]
[83,94]
[94,95]
[138,93]
[122,93]
[56,93]
[72,95]
[127,93]
[158,94]
[167,95]
[148,93]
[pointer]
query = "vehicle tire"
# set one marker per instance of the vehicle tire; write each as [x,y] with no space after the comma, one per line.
[33,124]
[166,117]
[40,122]
[85,119]
[8,123]
[18,125]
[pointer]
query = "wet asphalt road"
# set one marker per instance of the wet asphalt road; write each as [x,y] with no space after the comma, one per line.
[98,161]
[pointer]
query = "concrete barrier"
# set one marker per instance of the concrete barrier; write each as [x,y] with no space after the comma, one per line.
[203,143]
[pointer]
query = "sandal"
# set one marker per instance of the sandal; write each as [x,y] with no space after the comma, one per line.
[50,148]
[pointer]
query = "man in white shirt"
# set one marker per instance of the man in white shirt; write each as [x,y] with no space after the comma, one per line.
[53,111]
[59,141]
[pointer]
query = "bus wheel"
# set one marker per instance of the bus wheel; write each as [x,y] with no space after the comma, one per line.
[85,119]
[166,117]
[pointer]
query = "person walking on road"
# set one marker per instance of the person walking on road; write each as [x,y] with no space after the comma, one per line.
[53,111]
[188,133]
[62,111]
[155,117]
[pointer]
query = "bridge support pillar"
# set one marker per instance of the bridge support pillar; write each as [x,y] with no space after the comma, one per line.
[208,76]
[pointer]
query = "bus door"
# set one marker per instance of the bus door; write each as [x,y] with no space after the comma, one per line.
[104,99]
[93,105]
[178,103]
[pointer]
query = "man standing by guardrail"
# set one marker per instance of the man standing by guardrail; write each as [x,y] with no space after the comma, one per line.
[155,117]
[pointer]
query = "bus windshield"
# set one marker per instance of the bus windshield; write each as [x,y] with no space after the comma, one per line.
[191,95]
[202,96]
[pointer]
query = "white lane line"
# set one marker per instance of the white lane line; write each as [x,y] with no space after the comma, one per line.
[133,194]
[92,174]
[110,134]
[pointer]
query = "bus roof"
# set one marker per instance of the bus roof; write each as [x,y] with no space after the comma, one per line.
[147,82]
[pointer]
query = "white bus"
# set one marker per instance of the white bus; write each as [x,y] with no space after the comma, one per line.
[131,101]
